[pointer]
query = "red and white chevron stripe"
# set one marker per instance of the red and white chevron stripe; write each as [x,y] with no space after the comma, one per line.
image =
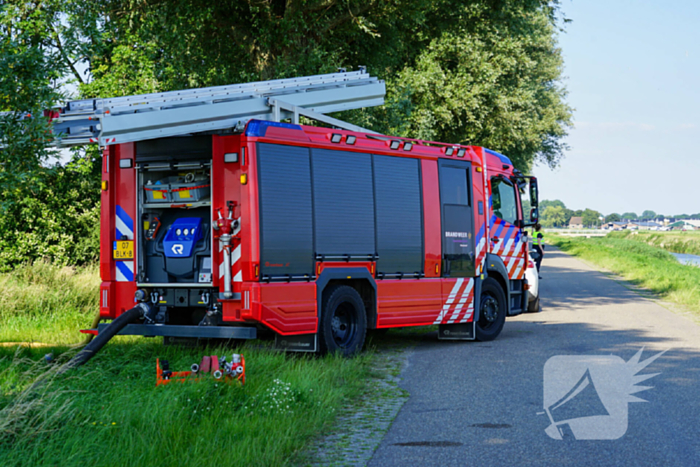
[514,260]
[466,298]
[481,255]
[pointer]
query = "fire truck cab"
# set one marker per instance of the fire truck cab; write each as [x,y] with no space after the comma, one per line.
[314,233]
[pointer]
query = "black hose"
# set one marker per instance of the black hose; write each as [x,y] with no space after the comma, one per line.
[102,338]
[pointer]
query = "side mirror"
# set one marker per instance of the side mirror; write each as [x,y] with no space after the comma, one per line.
[534,215]
[534,200]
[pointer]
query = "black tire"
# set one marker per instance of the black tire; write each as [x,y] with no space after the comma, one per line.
[534,306]
[492,310]
[343,325]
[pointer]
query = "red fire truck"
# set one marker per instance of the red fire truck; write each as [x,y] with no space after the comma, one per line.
[317,234]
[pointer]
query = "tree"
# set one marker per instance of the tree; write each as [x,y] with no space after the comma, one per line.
[612,217]
[553,216]
[629,216]
[648,215]
[545,203]
[46,210]
[480,72]
[591,218]
[26,90]
[659,217]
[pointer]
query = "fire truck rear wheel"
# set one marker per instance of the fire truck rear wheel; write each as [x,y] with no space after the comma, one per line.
[343,325]
[492,310]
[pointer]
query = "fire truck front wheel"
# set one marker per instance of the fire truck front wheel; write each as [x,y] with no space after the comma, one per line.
[343,325]
[492,310]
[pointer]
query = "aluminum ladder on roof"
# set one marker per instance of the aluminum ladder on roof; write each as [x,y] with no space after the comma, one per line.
[149,116]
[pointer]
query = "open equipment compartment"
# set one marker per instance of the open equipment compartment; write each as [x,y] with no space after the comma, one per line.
[174,211]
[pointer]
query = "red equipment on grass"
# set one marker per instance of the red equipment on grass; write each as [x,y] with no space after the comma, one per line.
[228,372]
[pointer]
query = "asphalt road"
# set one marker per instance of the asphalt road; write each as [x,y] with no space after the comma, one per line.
[477,403]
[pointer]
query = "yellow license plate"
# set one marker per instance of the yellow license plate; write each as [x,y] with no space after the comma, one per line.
[123,249]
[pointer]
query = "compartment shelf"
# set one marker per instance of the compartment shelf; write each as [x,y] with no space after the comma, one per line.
[196,204]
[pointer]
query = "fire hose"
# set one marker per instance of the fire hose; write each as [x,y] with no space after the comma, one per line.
[89,351]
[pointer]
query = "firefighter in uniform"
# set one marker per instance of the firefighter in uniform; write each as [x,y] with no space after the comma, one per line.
[538,245]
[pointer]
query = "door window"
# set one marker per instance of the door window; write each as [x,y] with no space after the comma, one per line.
[503,197]
[457,223]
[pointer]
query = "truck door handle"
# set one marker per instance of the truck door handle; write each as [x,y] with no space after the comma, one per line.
[495,239]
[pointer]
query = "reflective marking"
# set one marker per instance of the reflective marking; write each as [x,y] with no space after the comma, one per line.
[469,313]
[508,246]
[238,277]
[124,224]
[450,299]
[518,270]
[236,255]
[462,301]
[125,271]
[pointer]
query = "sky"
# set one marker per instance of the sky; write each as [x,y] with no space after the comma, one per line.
[632,71]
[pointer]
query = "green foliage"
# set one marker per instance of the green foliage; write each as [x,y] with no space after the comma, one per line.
[109,412]
[545,203]
[486,81]
[613,217]
[43,302]
[476,72]
[57,219]
[648,215]
[591,218]
[676,242]
[553,216]
[644,265]
[26,90]
[630,216]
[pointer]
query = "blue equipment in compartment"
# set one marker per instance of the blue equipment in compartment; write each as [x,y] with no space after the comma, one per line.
[181,237]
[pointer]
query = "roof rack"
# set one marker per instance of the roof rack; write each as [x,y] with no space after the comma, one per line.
[149,116]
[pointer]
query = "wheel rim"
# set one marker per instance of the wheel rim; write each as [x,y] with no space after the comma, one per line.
[344,324]
[489,311]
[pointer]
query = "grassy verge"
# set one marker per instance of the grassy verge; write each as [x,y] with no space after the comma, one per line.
[46,303]
[109,412]
[642,264]
[677,242]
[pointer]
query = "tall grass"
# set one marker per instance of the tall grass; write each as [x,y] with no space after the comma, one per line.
[677,242]
[110,413]
[645,265]
[41,302]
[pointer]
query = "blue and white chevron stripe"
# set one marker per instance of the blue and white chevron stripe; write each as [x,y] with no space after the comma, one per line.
[124,229]
[125,271]
[124,224]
